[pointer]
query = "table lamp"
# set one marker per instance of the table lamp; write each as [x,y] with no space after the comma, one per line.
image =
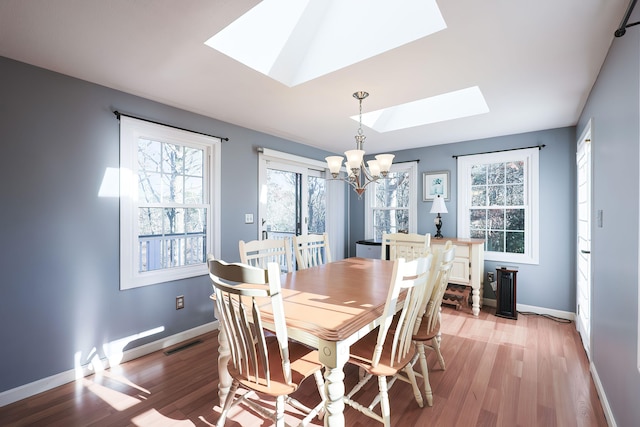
[438,207]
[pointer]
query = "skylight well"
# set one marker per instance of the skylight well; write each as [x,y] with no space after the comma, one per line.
[453,105]
[295,41]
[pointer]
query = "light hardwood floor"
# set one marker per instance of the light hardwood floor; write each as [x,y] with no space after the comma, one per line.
[500,372]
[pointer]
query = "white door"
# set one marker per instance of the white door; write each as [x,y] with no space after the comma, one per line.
[583,287]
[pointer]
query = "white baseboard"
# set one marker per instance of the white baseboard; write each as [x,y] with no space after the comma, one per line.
[608,414]
[533,309]
[44,384]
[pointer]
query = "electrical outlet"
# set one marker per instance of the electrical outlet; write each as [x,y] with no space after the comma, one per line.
[179,302]
[490,277]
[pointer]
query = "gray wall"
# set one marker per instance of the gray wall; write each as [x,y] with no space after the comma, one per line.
[613,107]
[551,283]
[60,256]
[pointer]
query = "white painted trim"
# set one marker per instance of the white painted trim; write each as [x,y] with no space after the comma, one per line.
[27,390]
[606,408]
[534,309]
[286,157]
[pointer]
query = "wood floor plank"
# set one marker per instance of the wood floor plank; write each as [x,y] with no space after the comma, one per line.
[499,372]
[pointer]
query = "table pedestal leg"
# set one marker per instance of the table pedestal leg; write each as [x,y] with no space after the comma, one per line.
[334,356]
[224,355]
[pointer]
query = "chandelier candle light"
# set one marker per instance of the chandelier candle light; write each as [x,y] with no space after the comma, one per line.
[438,207]
[359,175]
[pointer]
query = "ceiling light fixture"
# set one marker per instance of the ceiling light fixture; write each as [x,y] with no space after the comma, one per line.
[359,176]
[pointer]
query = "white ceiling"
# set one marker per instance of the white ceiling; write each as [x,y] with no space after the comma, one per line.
[534,61]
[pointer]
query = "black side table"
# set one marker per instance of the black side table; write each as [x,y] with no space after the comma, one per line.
[506,293]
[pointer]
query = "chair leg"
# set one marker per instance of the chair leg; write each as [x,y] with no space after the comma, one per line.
[428,394]
[279,414]
[227,403]
[436,347]
[384,401]
[414,385]
[323,396]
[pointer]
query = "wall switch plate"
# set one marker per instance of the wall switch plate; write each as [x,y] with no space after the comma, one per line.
[179,302]
[248,218]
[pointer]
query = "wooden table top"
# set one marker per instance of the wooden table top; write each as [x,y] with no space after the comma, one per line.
[335,300]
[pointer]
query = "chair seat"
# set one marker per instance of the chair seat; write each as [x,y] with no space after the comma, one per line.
[424,334]
[361,355]
[304,362]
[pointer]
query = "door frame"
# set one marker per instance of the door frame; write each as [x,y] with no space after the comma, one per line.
[335,197]
[584,253]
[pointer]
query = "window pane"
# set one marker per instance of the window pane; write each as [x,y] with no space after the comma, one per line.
[195,220]
[172,188]
[495,173]
[173,221]
[193,159]
[496,195]
[478,234]
[173,159]
[515,219]
[150,187]
[478,195]
[316,206]
[495,241]
[515,242]
[150,221]
[149,155]
[495,219]
[479,175]
[281,193]
[514,195]
[478,219]
[515,172]
[393,191]
[193,190]
[390,221]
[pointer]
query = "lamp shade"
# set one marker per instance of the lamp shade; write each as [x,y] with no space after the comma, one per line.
[438,206]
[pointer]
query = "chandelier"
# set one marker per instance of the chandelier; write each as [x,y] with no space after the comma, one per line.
[358,174]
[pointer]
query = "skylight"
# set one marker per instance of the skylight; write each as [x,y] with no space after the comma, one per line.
[453,105]
[294,41]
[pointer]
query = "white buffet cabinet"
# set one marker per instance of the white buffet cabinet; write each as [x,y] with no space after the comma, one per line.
[468,266]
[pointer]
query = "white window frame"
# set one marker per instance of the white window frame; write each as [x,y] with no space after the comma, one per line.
[530,157]
[412,168]
[131,130]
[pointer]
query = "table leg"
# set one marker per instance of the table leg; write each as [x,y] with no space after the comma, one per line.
[334,356]
[475,297]
[224,355]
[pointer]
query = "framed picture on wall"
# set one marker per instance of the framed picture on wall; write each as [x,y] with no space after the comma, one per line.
[435,184]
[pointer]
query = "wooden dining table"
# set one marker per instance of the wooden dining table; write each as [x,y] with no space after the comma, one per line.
[328,307]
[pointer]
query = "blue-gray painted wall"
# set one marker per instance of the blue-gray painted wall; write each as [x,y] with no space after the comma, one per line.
[614,109]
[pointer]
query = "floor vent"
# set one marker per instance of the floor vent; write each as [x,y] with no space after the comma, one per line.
[182,347]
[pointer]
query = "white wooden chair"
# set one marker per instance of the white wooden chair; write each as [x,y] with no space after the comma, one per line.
[259,253]
[408,246]
[311,250]
[262,363]
[426,332]
[382,354]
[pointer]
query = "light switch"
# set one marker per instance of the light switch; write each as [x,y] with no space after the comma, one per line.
[599,219]
[248,218]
